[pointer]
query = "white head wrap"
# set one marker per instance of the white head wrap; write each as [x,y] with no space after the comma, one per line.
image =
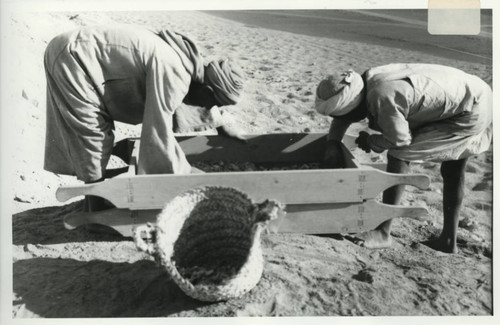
[227,80]
[344,101]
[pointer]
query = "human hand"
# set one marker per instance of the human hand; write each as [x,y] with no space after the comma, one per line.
[334,157]
[362,141]
[230,128]
[232,131]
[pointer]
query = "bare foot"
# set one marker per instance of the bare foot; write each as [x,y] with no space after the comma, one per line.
[442,244]
[373,239]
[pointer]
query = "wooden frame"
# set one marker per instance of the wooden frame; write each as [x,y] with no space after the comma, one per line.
[317,200]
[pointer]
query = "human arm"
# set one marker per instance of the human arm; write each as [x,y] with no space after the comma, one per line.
[334,157]
[167,83]
[196,119]
[388,111]
[205,114]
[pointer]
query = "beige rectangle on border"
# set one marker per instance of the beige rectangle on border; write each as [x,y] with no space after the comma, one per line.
[454,17]
[456,4]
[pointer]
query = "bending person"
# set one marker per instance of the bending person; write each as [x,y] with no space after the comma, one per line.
[98,75]
[424,112]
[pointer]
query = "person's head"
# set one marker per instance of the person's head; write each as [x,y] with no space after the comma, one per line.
[341,95]
[223,85]
[201,95]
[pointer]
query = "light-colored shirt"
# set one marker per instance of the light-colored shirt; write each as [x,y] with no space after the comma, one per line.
[98,75]
[401,98]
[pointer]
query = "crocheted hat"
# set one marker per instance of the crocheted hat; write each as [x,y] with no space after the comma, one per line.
[208,240]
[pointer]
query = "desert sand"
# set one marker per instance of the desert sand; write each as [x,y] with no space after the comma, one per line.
[57,273]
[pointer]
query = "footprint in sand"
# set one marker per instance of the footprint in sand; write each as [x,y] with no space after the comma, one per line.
[485,185]
[483,206]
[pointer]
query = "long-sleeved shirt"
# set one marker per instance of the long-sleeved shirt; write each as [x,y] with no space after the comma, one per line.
[401,98]
[103,74]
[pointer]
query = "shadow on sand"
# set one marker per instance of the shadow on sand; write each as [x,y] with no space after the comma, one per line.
[45,226]
[65,288]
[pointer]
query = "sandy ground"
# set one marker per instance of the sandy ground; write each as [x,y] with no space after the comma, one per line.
[61,273]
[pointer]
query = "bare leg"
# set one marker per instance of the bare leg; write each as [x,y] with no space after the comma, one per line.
[122,149]
[453,173]
[380,237]
[93,203]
